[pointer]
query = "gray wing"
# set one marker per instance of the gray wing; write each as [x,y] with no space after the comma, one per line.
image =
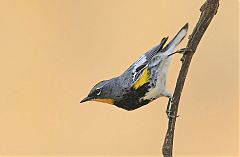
[143,62]
[153,51]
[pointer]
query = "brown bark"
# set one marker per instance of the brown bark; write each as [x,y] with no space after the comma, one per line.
[208,10]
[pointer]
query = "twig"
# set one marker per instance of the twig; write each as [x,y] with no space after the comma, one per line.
[208,10]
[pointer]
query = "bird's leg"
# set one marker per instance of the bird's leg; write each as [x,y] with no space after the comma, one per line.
[169,111]
[182,51]
[169,95]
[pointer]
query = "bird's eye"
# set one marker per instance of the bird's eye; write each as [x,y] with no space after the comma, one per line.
[98,91]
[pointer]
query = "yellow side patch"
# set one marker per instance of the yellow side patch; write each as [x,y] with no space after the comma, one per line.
[142,80]
[109,101]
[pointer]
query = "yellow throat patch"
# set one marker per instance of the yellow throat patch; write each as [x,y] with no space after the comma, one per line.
[142,80]
[109,101]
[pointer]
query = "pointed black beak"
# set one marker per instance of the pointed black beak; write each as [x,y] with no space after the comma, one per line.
[85,99]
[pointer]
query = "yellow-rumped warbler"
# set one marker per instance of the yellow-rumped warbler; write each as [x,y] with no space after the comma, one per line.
[143,82]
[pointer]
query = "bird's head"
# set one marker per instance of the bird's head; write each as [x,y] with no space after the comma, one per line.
[101,92]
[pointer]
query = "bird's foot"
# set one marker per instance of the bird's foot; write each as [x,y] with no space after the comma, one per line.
[185,51]
[172,116]
[182,51]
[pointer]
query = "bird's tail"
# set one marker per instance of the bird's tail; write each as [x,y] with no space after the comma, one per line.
[176,40]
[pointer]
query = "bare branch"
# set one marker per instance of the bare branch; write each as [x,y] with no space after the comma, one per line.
[208,10]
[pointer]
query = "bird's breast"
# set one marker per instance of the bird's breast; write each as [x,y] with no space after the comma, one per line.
[133,98]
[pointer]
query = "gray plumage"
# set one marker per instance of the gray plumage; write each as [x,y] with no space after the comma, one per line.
[153,65]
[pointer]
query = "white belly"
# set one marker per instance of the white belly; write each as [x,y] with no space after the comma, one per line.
[159,90]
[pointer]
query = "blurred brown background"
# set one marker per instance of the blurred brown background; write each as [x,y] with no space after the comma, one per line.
[53,52]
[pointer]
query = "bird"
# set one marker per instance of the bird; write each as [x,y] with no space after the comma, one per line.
[143,82]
